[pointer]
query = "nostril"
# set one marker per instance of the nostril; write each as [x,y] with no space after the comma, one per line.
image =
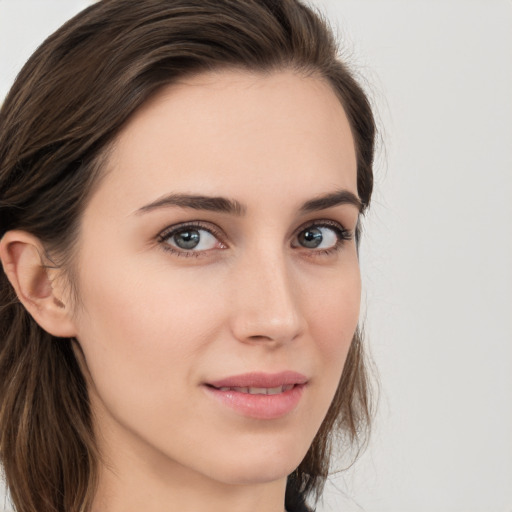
[258,337]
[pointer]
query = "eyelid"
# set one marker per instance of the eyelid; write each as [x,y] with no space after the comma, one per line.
[344,233]
[195,224]
[199,224]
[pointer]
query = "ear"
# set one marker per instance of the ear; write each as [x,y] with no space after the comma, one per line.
[22,256]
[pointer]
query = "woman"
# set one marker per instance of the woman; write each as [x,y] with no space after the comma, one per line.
[180,188]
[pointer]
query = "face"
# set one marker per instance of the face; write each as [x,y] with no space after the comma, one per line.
[218,276]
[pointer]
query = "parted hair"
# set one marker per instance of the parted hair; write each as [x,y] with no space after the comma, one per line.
[65,108]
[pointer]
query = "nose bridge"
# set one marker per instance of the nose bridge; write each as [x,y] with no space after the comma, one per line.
[266,305]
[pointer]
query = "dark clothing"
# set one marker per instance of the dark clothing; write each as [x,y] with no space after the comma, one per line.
[294,500]
[300,508]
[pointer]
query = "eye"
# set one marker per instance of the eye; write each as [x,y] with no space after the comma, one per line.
[190,239]
[322,237]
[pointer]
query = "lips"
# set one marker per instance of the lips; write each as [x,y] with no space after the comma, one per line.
[260,380]
[258,395]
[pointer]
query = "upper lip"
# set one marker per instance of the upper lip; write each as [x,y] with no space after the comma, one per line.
[260,380]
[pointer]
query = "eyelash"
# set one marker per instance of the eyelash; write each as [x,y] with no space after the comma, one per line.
[343,235]
[171,231]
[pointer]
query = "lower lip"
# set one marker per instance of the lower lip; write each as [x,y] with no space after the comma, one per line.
[262,407]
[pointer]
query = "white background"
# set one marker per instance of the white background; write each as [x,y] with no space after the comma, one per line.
[437,252]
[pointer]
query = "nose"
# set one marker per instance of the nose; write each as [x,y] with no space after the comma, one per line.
[266,305]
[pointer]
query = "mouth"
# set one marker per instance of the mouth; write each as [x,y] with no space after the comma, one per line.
[258,391]
[260,396]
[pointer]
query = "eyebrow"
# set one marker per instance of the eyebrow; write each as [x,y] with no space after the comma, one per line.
[234,207]
[331,200]
[196,202]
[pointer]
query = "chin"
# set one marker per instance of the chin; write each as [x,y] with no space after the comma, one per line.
[259,465]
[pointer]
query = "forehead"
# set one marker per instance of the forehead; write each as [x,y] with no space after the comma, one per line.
[235,133]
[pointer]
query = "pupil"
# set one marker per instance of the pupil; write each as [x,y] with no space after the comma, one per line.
[187,239]
[311,238]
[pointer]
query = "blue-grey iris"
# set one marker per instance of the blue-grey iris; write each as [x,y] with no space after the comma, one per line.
[311,238]
[187,239]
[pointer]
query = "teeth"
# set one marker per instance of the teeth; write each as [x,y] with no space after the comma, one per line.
[259,391]
[275,391]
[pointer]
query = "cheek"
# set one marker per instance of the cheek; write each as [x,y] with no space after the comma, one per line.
[334,314]
[140,329]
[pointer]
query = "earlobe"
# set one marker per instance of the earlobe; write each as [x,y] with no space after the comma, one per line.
[23,262]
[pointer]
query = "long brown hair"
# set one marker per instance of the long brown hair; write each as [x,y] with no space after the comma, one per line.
[64,109]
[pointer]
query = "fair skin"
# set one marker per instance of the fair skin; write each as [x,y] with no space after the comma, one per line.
[270,286]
